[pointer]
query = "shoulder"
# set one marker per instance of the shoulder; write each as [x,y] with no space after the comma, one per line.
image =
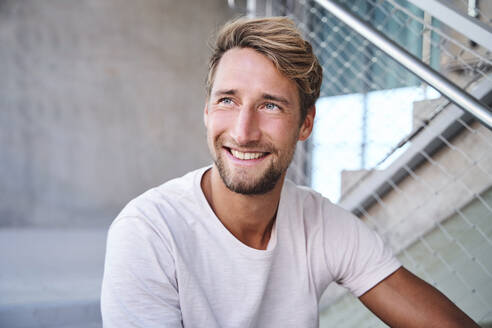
[165,207]
[311,205]
[174,192]
[321,219]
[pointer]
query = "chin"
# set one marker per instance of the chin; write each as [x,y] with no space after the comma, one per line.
[248,185]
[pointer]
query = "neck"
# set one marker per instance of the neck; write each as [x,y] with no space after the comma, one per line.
[249,218]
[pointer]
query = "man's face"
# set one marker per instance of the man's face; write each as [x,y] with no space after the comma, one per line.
[252,118]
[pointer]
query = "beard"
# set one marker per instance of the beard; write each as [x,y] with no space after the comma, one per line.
[240,182]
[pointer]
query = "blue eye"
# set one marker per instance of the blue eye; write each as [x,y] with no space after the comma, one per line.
[271,106]
[226,101]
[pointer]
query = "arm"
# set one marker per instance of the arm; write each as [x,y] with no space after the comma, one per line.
[404,300]
[139,287]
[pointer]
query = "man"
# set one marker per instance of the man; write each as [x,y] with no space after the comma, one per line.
[235,244]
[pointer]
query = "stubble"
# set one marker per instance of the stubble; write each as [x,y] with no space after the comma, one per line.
[239,182]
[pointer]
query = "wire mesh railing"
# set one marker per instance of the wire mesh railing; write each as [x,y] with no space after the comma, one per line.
[391,149]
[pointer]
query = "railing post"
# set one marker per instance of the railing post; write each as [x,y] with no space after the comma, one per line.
[470,27]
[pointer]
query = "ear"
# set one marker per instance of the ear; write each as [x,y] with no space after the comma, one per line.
[307,126]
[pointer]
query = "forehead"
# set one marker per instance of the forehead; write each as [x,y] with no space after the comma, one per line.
[247,70]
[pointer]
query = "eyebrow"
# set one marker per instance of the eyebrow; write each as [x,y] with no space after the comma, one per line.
[266,96]
[230,92]
[276,98]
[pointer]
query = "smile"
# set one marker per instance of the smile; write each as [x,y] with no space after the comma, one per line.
[246,155]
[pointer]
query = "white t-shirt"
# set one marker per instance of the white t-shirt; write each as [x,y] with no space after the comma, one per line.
[171,263]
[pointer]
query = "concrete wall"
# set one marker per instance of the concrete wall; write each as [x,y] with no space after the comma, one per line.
[99,101]
[438,189]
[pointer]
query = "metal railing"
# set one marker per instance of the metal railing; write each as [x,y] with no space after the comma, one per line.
[447,88]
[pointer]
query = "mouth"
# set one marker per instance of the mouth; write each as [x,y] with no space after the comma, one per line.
[248,156]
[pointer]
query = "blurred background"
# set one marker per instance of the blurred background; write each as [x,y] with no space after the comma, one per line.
[102,100]
[99,101]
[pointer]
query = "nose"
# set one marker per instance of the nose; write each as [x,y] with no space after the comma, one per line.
[246,127]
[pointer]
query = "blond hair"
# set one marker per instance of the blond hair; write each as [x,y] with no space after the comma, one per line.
[278,39]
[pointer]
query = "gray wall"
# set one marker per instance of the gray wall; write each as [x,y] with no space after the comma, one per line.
[99,101]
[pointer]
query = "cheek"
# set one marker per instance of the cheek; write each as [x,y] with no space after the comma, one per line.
[280,130]
[217,124]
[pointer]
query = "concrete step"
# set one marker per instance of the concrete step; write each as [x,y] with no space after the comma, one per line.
[51,277]
[52,314]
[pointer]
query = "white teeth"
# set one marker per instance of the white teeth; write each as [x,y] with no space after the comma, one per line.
[242,155]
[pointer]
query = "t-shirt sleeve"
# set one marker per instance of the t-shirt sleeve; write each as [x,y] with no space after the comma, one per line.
[356,255]
[139,286]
